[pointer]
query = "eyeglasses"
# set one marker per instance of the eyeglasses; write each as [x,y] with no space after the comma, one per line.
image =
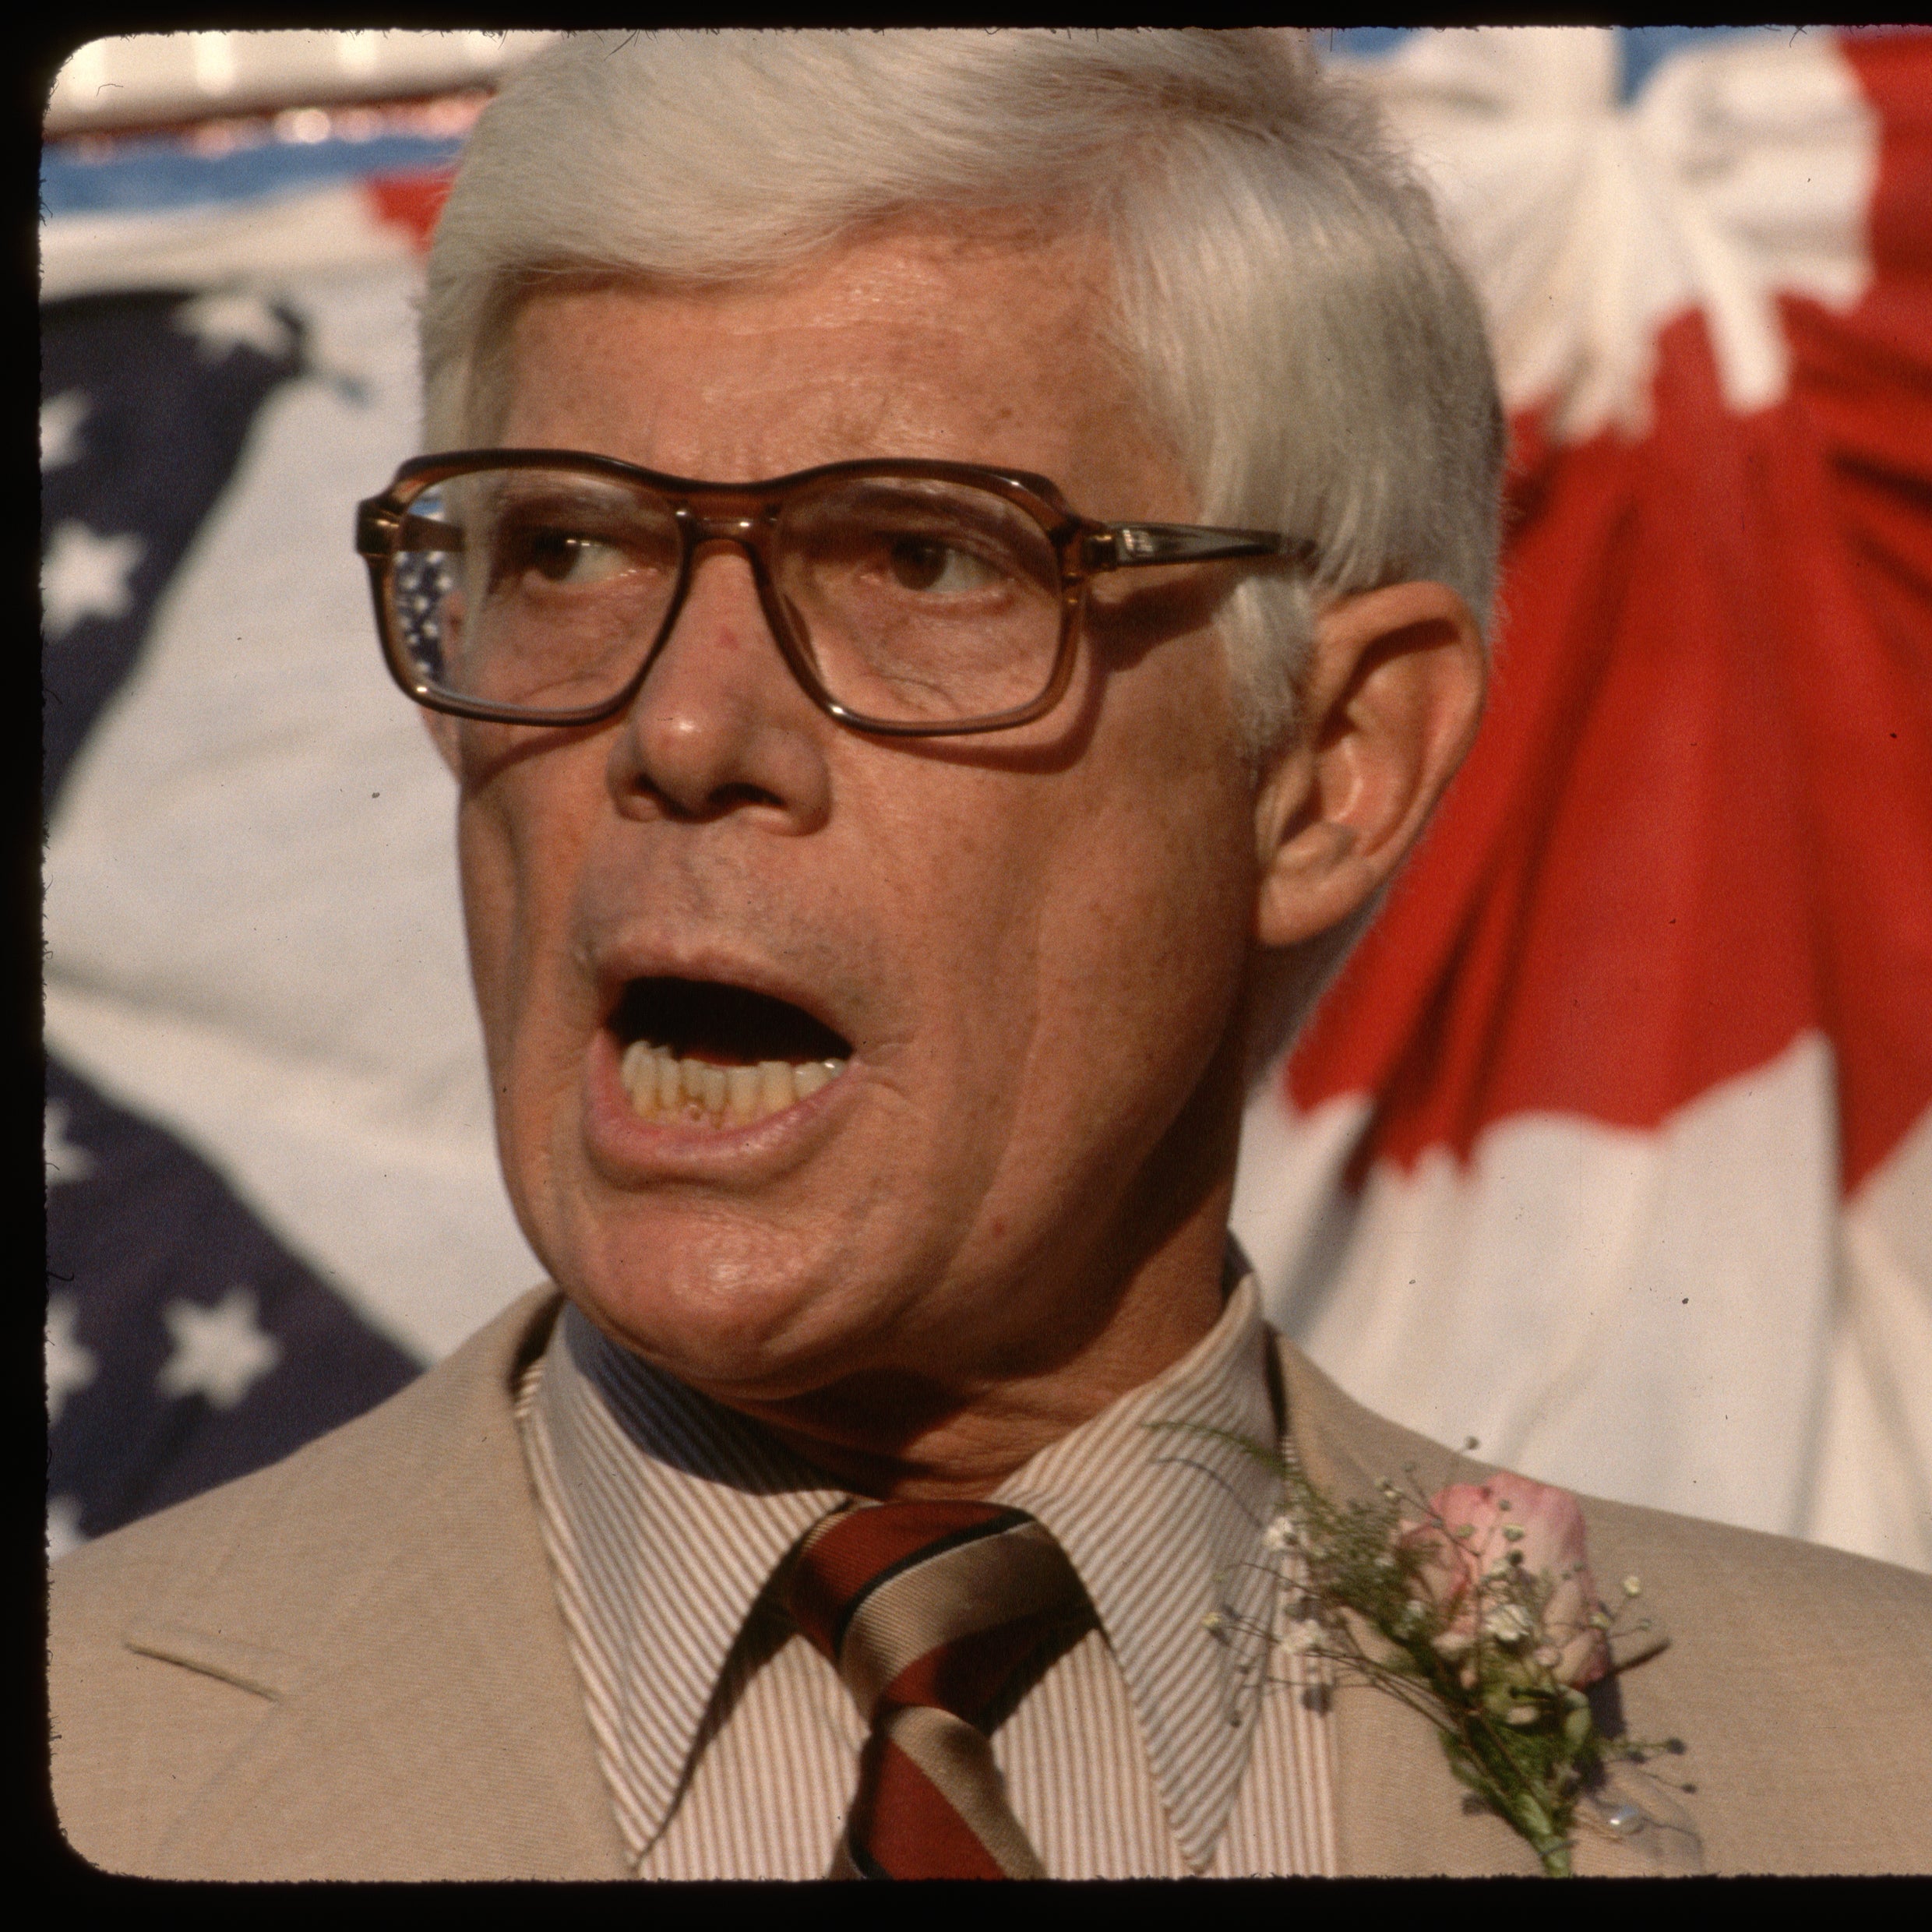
[910,598]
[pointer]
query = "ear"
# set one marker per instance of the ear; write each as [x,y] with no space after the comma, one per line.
[1388,707]
[442,729]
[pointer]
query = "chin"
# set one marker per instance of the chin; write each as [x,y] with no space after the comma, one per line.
[727,1308]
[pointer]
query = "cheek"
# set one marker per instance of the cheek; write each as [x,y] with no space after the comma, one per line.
[1152,926]
[486,861]
[1156,901]
[512,844]
[951,858]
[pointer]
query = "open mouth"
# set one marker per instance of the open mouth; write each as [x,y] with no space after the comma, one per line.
[702,1053]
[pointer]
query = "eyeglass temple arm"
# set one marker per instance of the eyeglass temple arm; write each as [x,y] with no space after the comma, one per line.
[1122,546]
[425,533]
[380,531]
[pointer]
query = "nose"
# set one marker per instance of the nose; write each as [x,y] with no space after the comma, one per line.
[719,724]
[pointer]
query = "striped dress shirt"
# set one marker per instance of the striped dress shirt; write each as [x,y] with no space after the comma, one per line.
[1171,1739]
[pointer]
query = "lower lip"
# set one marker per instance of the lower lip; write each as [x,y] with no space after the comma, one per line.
[627,1146]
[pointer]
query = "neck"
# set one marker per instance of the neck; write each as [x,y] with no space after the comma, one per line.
[900,1434]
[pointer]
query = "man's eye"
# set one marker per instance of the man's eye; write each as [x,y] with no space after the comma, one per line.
[931,564]
[562,557]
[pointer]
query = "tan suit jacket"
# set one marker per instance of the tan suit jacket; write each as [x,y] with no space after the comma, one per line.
[352,1665]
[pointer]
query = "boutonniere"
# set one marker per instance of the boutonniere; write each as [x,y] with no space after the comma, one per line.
[1475,1606]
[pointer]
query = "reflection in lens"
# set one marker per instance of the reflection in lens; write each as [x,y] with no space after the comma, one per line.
[533,587]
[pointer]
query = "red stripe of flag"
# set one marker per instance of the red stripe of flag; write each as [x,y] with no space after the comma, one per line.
[1698,820]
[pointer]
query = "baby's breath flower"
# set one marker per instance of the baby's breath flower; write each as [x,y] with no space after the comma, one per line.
[1491,1640]
[1509,1623]
[1298,1636]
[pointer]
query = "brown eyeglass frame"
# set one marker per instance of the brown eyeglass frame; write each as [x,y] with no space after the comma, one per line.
[743,517]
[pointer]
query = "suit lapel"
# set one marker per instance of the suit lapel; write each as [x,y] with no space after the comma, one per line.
[424,1719]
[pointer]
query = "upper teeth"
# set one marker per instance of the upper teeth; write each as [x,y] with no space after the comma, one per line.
[664,1087]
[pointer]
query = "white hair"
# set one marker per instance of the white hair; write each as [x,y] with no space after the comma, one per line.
[1283,289]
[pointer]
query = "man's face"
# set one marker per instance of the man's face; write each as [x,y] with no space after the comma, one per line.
[1029,945]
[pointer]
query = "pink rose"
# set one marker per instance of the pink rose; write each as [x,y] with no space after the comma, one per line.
[1483,1525]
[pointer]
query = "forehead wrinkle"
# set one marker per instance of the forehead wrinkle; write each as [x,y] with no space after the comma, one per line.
[722,421]
[973,353]
[837,424]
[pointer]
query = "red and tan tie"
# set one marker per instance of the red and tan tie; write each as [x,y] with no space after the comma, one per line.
[928,1611]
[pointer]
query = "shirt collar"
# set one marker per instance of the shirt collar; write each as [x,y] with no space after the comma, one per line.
[1160,1502]
[675,1511]
[681,1510]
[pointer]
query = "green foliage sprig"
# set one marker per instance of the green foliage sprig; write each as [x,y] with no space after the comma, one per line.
[1455,1619]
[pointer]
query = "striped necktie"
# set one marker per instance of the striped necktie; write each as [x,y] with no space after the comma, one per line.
[930,1611]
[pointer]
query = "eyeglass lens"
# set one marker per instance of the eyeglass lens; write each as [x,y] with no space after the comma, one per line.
[915,600]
